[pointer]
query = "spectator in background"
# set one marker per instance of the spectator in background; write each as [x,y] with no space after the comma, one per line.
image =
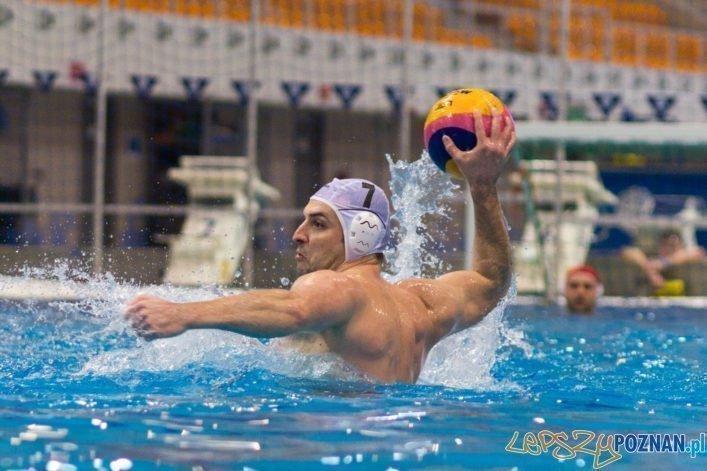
[671,252]
[582,288]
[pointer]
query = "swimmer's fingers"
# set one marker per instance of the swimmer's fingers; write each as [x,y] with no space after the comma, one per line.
[495,124]
[479,129]
[143,329]
[148,335]
[139,304]
[139,299]
[450,146]
[132,310]
[134,306]
[133,314]
[502,138]
[509,134]
[136,313]
[139,323]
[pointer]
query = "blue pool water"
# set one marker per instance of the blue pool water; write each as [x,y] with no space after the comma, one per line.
[81,391]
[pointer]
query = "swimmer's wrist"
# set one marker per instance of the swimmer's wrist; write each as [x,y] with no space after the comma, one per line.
[483,190]
[186,314]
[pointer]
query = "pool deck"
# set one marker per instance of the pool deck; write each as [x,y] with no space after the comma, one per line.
[37,289]
[14,288]
[21,288]
[696,302]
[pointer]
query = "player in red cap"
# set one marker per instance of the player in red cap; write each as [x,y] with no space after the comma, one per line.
[582,288]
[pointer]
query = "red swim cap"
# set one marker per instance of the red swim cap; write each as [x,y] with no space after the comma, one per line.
[585,269]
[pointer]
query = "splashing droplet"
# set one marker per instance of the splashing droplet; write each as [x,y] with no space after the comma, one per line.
[466,359]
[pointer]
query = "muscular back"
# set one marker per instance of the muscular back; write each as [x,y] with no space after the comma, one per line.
[387,330]
[388,334]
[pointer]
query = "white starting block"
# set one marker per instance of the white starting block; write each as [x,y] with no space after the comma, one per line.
[582,192]
[215,232]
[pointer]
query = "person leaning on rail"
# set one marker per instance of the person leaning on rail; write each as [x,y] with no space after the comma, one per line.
[671,253]
[340,303]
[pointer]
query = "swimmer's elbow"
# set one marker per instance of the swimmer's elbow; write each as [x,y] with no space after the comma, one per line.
[497,280]
[494,290]
[498,292]
[503,284]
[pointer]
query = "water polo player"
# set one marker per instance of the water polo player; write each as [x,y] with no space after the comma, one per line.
[340,303]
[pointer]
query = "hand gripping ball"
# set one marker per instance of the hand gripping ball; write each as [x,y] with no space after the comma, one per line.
[452,115]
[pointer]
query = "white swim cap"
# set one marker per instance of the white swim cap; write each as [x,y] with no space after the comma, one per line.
[363,211]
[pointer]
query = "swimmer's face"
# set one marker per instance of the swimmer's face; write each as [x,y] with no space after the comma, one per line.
[581,291]
[319,239]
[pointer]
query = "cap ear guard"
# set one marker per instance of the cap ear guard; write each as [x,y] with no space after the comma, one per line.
[365,234]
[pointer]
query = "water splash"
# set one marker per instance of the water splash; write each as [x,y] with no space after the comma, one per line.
[105,345]
[418,189]
[219,350]
[466,359]
[98,295]
[85,335]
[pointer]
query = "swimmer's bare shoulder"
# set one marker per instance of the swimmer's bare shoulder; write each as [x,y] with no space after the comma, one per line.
[453,302]
[438,310]
[328,297]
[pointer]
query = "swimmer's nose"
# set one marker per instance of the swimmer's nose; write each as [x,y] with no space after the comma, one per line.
[298,236]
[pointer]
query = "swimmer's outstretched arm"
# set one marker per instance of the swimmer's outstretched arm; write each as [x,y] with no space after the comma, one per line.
[477,291]
[315,301]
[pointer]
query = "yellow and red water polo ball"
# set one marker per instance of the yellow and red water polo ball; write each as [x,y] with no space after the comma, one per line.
[452,115]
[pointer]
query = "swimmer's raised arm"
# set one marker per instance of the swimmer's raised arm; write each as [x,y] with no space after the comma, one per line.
[315,302]
[474,293]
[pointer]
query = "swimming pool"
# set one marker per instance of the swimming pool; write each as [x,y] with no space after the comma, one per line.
[81,391]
